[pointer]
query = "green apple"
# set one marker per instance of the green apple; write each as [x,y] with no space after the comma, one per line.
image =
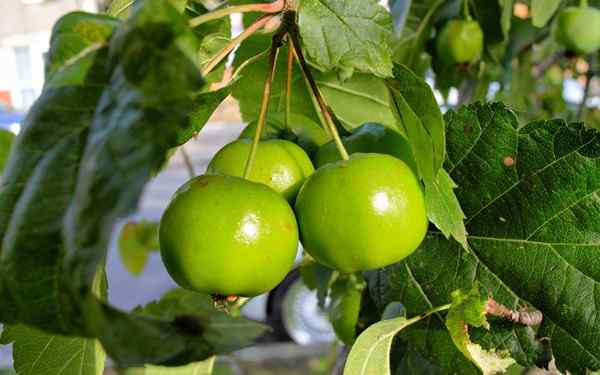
[460,42]
[279,164]
[228,236]
[578,29]
[363,213]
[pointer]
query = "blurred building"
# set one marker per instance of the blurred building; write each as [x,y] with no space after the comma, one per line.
[25,27]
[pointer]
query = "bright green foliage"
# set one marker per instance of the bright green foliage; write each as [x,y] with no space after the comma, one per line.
[542,11]
[545,258]
[362,28]
[279,164]
[372,201]
[218,231]
[460,42]
[136,241]
[577,29]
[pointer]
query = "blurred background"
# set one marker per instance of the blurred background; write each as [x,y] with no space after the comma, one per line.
[302,341]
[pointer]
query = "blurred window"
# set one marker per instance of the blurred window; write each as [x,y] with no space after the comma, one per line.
[23,58]
[27,97]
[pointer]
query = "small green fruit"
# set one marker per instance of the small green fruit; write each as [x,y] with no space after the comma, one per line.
[279,164]
[460,42]
[369,138]
[228,236]
[363,213]
[578,29]
[344,311]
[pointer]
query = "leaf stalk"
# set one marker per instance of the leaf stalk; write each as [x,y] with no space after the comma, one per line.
[264,106]
[328,117]
[274,7]
[215,60]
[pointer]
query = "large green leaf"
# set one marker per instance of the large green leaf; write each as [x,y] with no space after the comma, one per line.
[422,122]
[36,352]
[530,197]
[102,127]
[76,34]
[347,35]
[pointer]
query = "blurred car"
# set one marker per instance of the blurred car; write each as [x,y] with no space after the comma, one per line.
[10,120]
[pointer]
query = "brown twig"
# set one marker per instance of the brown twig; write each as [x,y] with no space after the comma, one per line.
[264,106]
[586,90]
[215,60]
[188,162]
[274,7]
[523,316]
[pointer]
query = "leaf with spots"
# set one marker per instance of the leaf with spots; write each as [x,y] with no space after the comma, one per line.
[530,196]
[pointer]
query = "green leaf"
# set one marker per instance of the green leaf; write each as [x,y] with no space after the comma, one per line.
[193,311]
[205,104]
[317,277]
[370,354]
[347,35]
[123,8]
[36,352]
[197,368]
[530,197]
[136,241]
[113,119]
[357,100]
[75,34]
[424,126]
[469,309]
[443,208]
[7,138]
[542,11]
[249,87]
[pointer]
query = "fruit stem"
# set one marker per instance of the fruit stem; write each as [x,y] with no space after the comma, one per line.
[288,87]
[215,60]
[274,7]
[466,11]
[264,106]
[188,162]
[295,43]
[586,90]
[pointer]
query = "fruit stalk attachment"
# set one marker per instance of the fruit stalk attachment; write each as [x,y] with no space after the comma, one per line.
[264,106]
[288,85]
[216,59]
[466,11]
[274,7]
[294,41]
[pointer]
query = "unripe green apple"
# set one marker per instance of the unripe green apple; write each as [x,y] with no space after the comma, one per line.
[228,236]
[578,29]
[363,213]
[460,42]
[279,164]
